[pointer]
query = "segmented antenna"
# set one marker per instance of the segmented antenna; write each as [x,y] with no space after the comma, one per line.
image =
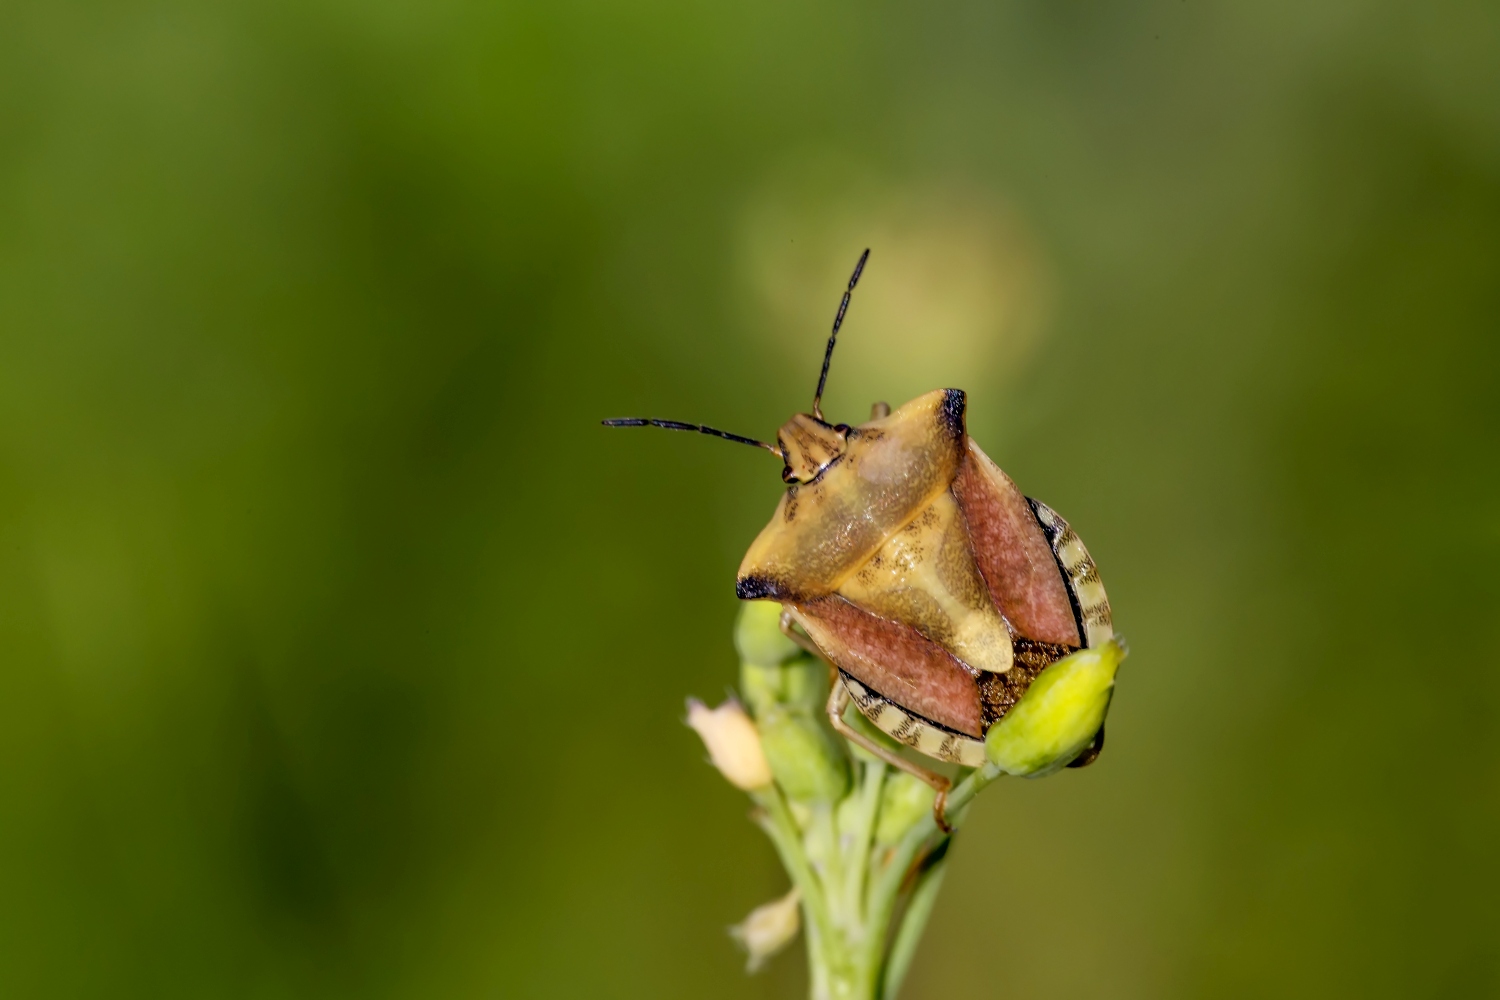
[678,425]
[838,321]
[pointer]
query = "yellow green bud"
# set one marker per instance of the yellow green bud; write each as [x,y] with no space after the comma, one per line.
[801,682]
[903,802]
[807,762]
[758,635]
[1057,717]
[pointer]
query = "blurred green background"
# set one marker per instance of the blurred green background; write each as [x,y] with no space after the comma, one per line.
[342,653]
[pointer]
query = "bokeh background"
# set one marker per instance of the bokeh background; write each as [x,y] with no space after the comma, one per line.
[342,653]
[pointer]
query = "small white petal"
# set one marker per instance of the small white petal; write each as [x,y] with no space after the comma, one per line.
[732,741]
[768,929]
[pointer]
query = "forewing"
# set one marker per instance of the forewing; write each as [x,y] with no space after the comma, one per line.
[1013,553]
[896,661]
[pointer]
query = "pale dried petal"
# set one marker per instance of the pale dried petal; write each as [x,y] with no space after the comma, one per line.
[732,741]
[768,929]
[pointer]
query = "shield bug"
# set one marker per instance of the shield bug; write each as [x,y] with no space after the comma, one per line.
[905,558]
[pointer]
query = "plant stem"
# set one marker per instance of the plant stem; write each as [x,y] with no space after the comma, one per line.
[779,825]
[922,838]
[848,896]
[913,923]
[862,835]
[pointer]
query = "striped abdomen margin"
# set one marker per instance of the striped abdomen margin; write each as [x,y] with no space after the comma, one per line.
[1090,606]
[922,735]
[1095,627]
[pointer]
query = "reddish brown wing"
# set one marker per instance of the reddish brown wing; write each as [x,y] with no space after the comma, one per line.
[1013,554]
[896,661]
[1021,571]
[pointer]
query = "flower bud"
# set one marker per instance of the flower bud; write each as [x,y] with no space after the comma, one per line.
[732,742]
[1057,717]
[809,765]
[903,802]
[758,635]
[801,683]
[768,929]
[786,688]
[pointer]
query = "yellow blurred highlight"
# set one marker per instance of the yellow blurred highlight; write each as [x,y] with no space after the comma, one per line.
[954,293]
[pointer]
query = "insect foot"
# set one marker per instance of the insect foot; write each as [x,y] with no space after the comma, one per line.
[1060,715]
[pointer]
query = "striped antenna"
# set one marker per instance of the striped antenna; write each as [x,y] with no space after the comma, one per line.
[838,321]
[678,425]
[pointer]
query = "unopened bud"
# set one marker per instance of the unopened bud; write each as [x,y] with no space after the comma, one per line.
[809,765]
[758,635]
[1057,717]
[732,742]
[800,683]
[903,802]
[768,929]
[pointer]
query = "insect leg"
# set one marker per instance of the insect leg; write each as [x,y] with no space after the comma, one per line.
[838,700]
[804,641]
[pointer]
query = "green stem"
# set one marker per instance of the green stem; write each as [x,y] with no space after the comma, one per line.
[863,835]
[817,962]
[923,837]
[820,840]
[913,923]
[782,829]
[849,901]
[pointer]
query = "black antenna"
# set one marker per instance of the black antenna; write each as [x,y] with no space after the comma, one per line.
[677,425]
[838,321]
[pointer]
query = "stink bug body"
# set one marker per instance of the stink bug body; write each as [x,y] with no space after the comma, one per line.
[914,566]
